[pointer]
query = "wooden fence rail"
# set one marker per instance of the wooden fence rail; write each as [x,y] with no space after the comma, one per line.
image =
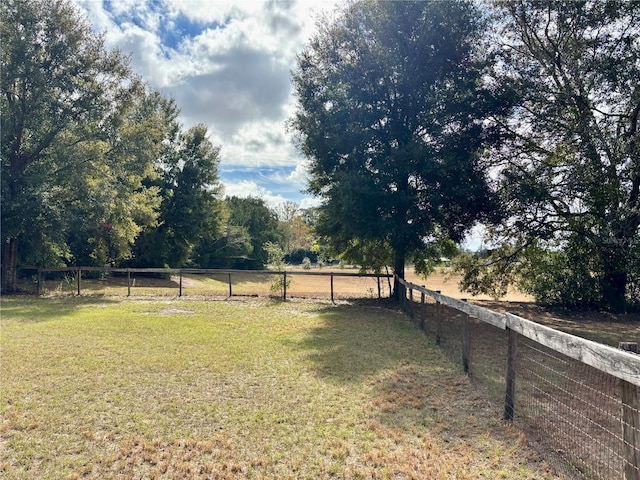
[615,362]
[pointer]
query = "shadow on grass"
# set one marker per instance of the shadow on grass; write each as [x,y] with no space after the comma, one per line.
[31,309]
[357,340]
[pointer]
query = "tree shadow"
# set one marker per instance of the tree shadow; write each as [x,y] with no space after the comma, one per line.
[31,309]
[353,344]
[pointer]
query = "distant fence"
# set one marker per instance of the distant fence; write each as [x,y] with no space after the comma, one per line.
[211,282]
[573,396]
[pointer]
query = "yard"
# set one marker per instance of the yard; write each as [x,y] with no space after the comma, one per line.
[106,387]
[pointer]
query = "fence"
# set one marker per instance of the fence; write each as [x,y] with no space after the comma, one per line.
[208,282]
[575,397]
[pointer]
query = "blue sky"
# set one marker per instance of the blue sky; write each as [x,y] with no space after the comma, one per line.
[227,64]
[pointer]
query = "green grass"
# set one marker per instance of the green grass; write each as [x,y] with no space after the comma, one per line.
[116,388]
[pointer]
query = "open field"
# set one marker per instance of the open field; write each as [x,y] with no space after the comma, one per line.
[598,326]
[102,387]
[302,284]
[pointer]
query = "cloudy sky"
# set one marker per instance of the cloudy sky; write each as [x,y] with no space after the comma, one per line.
[227,64]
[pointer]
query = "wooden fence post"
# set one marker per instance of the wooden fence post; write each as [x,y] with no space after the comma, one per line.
[410,303]
[512,362]
[630,422]
[332,287]
[466,341]
[284,286]
[423,310]
[438,321]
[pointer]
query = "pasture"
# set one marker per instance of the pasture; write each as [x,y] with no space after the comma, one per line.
[107,387]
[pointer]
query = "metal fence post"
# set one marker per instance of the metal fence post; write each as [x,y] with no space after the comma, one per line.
[332,287]
[284,286]
[423,310]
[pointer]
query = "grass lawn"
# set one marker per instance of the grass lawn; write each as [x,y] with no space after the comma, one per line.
[118,388]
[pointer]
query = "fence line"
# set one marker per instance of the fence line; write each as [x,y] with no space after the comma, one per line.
[579,397]
[227,274]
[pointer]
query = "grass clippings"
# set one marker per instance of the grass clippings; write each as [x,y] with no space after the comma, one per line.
[105,388]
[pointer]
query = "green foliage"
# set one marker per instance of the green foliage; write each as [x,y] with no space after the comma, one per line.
[295,227]
[488,272]
[275,256]
[190,211]
[569,175]
[79,134]
[392,113]
[297,256]
[374,256]
[261,224]
[562,277]
[230,250]
[567,275]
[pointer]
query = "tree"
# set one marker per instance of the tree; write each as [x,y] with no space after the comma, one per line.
[232,249]
[393,113]
[76,134]
[190,211]
[260,222]
[569,176]
[296,232]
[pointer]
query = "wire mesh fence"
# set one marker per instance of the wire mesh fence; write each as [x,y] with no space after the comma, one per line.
[572,408]
[585,420]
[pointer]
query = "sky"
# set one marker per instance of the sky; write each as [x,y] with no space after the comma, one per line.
[227,64]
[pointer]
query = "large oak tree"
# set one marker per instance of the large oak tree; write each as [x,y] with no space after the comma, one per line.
[393,113]
[570,172]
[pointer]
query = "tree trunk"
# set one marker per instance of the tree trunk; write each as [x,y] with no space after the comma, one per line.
[10,266]
[398,269]
[615,278]
[614,286]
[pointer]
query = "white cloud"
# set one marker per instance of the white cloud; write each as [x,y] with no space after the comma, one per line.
[248,188]
[227,64]
[309,202]
[300,174]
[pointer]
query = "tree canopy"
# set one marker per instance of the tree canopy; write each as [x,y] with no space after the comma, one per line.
[569,168]
[79,133]
[190,210]
[393,113]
